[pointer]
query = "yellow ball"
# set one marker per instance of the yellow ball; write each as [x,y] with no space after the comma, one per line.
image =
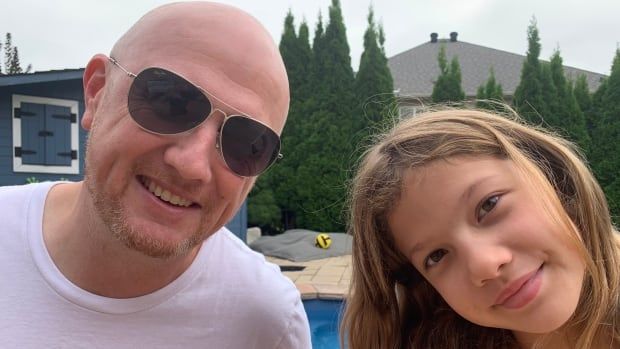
[323,241]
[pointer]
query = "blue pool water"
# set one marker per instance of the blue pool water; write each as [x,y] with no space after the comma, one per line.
[324,316]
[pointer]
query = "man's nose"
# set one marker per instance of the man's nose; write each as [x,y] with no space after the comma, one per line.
[485,260]
[194,154]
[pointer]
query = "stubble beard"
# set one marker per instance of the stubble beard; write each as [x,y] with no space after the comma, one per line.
[110,210]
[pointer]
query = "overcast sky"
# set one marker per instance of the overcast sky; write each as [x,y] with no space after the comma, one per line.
[61,34]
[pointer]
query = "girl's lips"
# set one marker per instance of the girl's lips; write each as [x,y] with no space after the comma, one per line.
[521,291]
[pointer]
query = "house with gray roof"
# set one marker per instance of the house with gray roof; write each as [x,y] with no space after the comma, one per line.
[415,70]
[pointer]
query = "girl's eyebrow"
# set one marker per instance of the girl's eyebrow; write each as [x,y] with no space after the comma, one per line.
[417,247]
[467,193]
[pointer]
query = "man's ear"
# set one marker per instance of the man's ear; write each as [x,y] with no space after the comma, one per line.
[94,80]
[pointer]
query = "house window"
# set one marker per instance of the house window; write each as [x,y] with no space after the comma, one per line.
[45,135]
[406,111]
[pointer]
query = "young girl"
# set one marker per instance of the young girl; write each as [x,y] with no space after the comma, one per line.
[473,230]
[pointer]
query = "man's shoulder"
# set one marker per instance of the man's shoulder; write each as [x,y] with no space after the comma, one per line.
[22,190]
[12,190]
[17,196]
[240,265]
[240,255]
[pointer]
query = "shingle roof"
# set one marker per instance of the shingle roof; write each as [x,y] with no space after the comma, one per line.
[43,76]
[415,70]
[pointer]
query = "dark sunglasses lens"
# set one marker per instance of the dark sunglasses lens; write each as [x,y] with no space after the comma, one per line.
[248,146]
[163,102]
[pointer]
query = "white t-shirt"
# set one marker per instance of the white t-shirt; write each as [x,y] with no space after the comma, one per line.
[229,297]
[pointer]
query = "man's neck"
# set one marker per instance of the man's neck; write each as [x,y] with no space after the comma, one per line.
[87,253]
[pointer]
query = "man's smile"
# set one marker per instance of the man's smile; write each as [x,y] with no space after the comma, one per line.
[165,195]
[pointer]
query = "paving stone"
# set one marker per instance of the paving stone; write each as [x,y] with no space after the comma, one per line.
[327,278]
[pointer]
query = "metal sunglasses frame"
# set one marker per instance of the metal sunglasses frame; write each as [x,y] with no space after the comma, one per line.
[227,117]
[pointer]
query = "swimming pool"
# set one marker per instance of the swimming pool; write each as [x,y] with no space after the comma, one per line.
[323,316]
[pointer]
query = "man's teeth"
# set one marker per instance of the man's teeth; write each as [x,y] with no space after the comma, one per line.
[165,195]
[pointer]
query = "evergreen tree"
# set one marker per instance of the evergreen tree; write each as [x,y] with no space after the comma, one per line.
[584,98]
[578,127]
[295,51]
[490,92]
[285,181]
[594,119]
[15,66]
[373,83]
[597,106]
[337,65]
[480,97]
[305,56]
[381,38]
[548,108]
[274,200]
[318,44]
[567,114]
[296,54]
[8,53]
[263,210]
[493,89]
[438,87]
[456,90]
[605,155]
[528,96]
[327,145]
[11,58]
[448,88]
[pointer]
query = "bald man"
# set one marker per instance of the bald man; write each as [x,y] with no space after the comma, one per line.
[183,115]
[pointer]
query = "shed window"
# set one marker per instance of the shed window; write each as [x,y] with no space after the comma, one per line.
[45,135]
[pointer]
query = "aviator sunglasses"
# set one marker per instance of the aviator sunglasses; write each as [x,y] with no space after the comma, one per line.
[165,103]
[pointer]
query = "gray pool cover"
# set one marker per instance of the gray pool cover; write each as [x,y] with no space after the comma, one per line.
[297,245]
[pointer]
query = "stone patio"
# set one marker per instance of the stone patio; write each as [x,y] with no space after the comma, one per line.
[326,278]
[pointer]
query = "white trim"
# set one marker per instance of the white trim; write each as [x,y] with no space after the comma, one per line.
[18,166]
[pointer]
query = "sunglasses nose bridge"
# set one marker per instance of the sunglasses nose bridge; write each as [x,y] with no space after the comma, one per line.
[192,153]
[217,111]
[210,116]
[218,145]
[213,112]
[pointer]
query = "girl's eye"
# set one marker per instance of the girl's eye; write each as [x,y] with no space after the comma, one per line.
[487,206]
[434,258]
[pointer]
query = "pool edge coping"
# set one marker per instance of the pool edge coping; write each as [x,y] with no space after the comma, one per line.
[321,291]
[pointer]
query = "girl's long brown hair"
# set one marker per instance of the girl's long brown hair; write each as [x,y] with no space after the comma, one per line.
[390,305]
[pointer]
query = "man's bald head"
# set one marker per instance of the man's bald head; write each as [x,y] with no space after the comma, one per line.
[233,60]
[214,38]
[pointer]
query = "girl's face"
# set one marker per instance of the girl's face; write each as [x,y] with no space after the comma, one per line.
[477,232]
